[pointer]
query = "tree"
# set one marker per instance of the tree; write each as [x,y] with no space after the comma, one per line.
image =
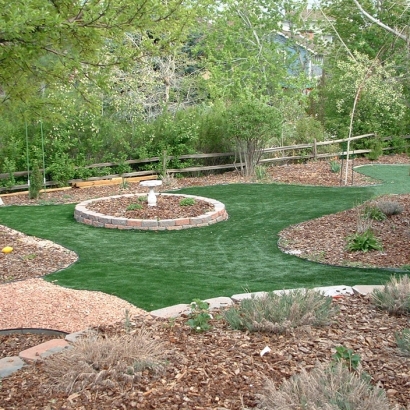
[47,42]
[241,51]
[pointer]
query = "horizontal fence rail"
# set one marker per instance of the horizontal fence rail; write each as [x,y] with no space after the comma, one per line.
[272,154]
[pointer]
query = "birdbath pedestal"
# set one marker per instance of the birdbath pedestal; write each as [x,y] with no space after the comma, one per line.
[151,184]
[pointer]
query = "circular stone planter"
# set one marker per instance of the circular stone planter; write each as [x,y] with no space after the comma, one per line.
[83,215]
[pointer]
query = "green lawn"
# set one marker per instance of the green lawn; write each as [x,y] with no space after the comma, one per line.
[157,269]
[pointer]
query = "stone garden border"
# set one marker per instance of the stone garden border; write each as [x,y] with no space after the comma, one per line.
[83,215]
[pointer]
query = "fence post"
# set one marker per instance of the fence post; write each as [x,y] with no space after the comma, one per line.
[314,149]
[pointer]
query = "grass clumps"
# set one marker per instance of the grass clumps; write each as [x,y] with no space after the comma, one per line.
[331,387]
[280,313]
[97,362]
[403,341]
[394,296]
[187,202]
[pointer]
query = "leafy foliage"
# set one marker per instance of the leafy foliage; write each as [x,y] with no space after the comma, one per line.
[347,357]
[199,317]
[363,241]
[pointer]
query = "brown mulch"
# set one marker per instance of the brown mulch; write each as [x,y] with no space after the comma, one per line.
[221,368]
[167,207]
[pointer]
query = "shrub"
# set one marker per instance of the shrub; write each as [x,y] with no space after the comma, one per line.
[373,212]
[389,207]
[403,341]
[394,297]
[199,317]
[330,388]
[347,357]
[187,202]
[134,207]
[335,166]
[97,362]
[36,182]
[279,313]
[363,241]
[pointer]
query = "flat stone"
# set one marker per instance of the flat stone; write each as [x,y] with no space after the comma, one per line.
[73,337]
[216,303]
[44,350]
[9,365]
[171,311]
[335,290]
[242,296]
[366,289]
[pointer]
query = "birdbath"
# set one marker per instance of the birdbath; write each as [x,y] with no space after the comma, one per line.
[151,184]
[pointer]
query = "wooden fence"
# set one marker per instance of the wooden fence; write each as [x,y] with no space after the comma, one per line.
[269,155]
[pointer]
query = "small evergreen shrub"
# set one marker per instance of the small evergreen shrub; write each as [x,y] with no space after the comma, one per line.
[373,212]
[394,297]
[363,241]
[279,313]
[334,166]
[36,182]
[187,202]
[403,341]
[331,387]
[390,208]
[134,207]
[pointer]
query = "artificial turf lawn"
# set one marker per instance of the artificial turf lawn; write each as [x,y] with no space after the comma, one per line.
[157,269]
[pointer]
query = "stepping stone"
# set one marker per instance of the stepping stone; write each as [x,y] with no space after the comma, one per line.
[216,303]
[9,365]
[44,350]
[172,311]
[335,290]
[366,289]
[73,337]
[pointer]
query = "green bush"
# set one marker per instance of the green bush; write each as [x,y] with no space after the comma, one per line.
[373,212]
[403,341]
[36,182]
[331,387]
[187,202]
[335,166]
[363,241]
[279,313]
[394,297]
[134,207]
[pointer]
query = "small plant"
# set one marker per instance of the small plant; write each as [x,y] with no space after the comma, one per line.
[279,313]
[187,202]
[331,387]
[199,316]
[30,256]
[394,296]
[142,199]
[390,208]
[363,241]
[373,212]
[403,341]
[97,363]
[127,321]
[347,357]
[334,166]
[260,173]
[36,182]
[134,207]
[124,184]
